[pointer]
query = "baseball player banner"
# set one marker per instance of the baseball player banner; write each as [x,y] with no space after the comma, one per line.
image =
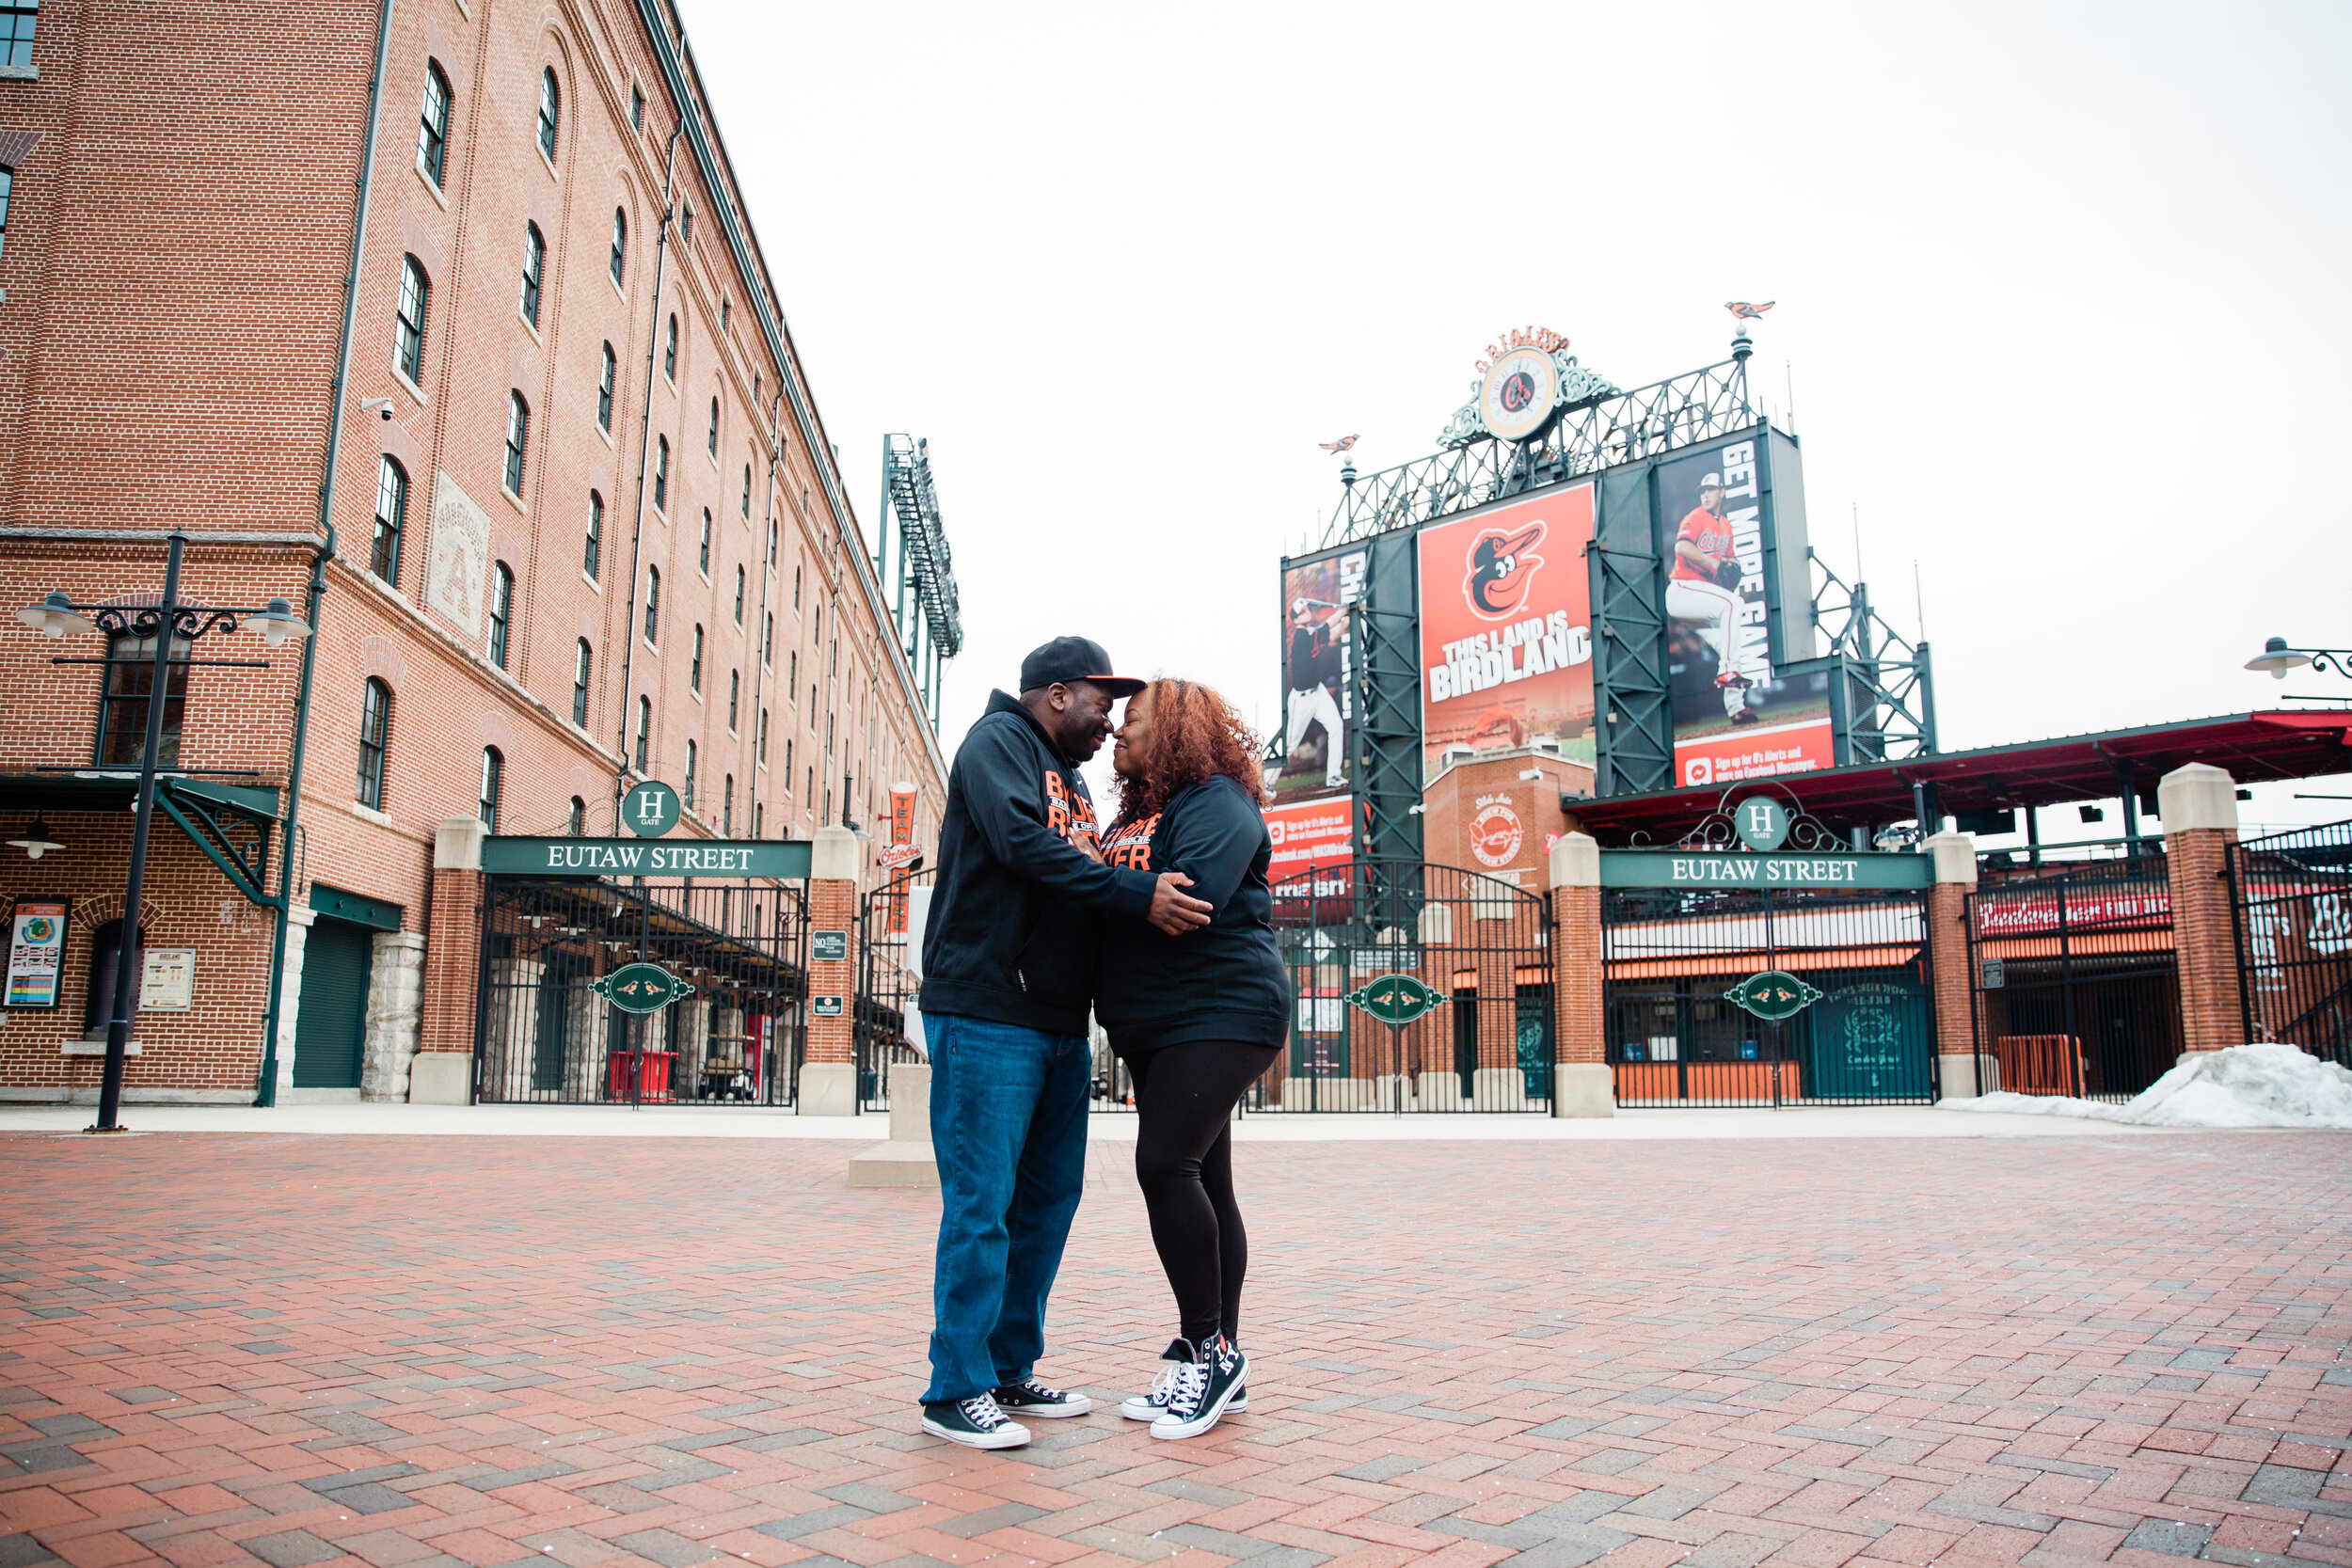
[1733,718]
[1506,648]
[1318,675]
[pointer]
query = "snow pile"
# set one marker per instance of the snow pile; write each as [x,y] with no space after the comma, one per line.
[2246,1085]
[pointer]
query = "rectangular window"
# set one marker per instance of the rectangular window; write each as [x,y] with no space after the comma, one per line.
[16,30]
[636,108]
[122,711]
[376,704]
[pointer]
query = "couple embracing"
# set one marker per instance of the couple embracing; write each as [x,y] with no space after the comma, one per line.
[1163,924]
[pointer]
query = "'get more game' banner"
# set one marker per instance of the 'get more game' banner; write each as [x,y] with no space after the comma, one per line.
[1506,646]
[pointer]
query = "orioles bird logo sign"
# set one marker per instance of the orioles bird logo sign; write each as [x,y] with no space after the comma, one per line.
[1502,570]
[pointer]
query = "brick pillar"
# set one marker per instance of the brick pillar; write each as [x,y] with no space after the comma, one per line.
[442,1072]
[1581,1085]
[2197,804]
[1950,996]
[828,1085]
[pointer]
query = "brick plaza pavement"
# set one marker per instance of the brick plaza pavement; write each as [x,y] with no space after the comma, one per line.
[217,1348]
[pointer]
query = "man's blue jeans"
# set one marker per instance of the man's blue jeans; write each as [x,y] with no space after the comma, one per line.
[1008,1125]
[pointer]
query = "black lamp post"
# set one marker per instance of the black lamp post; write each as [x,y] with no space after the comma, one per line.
[2277,658]
[165,622]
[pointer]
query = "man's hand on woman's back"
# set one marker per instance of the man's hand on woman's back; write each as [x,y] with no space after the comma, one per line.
[1177,913]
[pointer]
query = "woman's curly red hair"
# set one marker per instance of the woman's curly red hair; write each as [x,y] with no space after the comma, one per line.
[1194,735]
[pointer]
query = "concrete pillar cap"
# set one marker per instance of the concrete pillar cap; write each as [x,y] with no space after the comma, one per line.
[2197,796]
[837,855]
[457,843]
[1575,860]
[1955,856]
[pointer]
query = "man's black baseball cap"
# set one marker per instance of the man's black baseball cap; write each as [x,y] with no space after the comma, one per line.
[1074,659]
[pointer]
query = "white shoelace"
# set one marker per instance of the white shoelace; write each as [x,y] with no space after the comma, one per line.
[1164,1385]
[980,1410]
[1191,1381]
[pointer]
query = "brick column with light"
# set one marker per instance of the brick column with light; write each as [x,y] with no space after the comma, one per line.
[1953,866]
[1581,1082]
[2197,804]
[442,1074]
[828,1085]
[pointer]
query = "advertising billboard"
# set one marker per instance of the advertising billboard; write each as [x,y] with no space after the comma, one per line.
[1734,715]
[1506,629]
[1319,597]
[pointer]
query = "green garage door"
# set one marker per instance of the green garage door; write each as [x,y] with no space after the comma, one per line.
[333,1022]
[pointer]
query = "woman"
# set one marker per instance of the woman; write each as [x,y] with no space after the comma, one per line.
[1196,1019]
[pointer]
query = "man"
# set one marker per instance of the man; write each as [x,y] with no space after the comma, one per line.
[1007,980]
[1703,593]
[1311,664]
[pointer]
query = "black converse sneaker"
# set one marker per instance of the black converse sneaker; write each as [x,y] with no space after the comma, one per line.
[1203,1389]
[1029,1397]
[1152,1406]
[975,1422]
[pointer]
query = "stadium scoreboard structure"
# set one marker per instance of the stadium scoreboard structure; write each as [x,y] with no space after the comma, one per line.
[1622,579]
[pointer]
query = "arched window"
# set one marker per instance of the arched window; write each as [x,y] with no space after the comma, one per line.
[669,352]
[645,730]
[375,716]
[763,738]
[759,820]
[579,823]
[583,662]
[738,595]
[735,697]
[694,670]
[661,473]
[714,427]
[432,134]
[767,641]
[517,434]
[796,588]
[619,263]
[493,778]
[772,544]
[687,794]
[727,311]
[726,818]
[534,270]
[607,376]
[747,490]
[548,100]
[391,515]
[501,609]
[408,332]
[106,957]
[592,558]
[702,561]
[653,605]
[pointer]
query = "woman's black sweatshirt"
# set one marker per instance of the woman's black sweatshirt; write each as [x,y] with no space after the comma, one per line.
[1222,982]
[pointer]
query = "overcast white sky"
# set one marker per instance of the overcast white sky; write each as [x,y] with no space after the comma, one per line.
[2061,293]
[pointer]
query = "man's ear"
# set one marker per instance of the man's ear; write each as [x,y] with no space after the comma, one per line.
[1057,697]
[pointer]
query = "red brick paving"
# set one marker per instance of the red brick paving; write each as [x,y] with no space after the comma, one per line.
[476,1351]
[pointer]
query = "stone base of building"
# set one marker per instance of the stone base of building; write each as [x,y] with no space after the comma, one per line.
[1956,1077]
[440,1078]
[895,1165]
[62,1094]
[319,1096]
[1584,1089]
[827,1089]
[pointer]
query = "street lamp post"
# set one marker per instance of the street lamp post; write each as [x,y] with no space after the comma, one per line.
[2277,658]
[165,622]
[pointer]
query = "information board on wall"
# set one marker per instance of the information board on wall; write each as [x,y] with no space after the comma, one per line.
[36,951]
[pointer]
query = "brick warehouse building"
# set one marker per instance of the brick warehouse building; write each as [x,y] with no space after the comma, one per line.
[585,521]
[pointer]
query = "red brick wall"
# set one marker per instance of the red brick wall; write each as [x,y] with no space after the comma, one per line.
[2212,1015]
[452,957]
[1576,975]
[1947,960]
[833,906]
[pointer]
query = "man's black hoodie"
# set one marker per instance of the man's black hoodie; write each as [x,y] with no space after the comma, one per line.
[1011,933]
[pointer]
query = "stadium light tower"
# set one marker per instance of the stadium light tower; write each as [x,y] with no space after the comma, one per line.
[2277,658]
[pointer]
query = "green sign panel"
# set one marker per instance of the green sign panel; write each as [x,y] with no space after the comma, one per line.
[1774,995]
[641,988]
[1710,869]
[1395,998]
[1761,822]
[629,857]
[651,809]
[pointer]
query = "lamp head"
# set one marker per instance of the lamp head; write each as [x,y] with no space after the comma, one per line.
[278,622]
[53,617]
[2276,658]
[36,841]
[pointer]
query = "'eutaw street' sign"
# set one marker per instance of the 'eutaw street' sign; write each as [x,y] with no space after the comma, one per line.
[785,858]
[1705,868]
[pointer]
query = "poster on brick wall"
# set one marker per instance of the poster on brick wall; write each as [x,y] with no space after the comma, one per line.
[36,951]
[457,556]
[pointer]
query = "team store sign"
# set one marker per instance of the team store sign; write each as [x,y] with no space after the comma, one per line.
[1506,644]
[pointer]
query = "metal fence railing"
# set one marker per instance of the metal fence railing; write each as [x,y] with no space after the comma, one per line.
[545,1033]
[2291,903]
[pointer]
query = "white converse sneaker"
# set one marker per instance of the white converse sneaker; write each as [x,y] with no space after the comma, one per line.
[1203,1389]
[1152,1406]
[976,1423]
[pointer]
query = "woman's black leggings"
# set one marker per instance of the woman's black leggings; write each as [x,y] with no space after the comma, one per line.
[1185,1099]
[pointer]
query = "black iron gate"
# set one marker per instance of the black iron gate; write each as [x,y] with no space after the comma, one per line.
[1671,956]
[888,1025]
[2074,988]
[2290,901]
[1481,943]
[543,1034]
